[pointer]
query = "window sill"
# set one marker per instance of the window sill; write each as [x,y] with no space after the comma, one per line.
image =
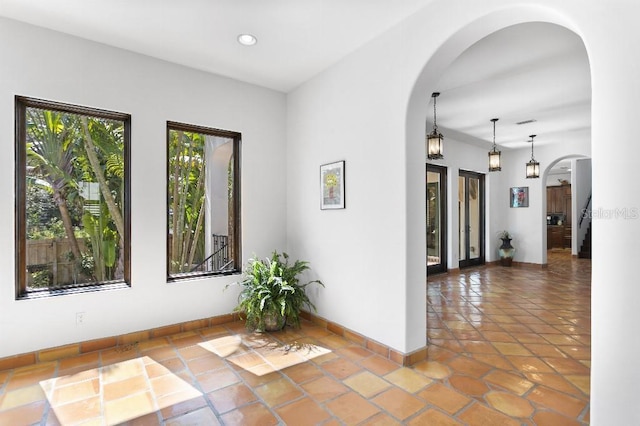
[201,275]
[42,294]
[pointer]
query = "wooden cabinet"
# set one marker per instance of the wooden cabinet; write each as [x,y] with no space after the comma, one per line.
[555,236]
[558,236]
[567,210]
[559,199]
[567,235]
[559,202]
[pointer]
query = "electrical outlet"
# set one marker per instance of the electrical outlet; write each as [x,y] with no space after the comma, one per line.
[80,318]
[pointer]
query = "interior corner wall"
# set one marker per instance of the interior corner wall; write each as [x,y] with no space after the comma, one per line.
[48,65]
[358,252]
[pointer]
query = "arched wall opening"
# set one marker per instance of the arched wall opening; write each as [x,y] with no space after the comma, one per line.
[580,194]
[426,80]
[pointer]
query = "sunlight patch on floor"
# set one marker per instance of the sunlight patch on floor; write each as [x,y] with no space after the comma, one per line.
[260,354]
[116,393]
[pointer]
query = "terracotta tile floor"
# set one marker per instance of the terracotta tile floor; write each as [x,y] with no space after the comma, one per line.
[507,346]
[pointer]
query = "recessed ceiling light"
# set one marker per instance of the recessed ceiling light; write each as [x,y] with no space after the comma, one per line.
[247,39]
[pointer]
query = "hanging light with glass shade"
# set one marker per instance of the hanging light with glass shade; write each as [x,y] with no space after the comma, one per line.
[494,154]
[533,167]
[434,139]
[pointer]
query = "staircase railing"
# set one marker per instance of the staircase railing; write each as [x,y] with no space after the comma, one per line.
[585,211]
[219,259]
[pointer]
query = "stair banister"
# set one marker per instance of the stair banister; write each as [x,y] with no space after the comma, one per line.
[585,211]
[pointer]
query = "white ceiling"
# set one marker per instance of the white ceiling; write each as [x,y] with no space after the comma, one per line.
[532,71]
[296,38]
[529,71]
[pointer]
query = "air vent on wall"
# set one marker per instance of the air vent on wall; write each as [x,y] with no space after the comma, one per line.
[520,123]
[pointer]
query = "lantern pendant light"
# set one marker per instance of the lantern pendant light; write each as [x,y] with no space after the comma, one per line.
[533,167]
[434,139]
[494,154]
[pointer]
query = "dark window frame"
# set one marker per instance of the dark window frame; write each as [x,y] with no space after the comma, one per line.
[481,259]
[237,228]
[443,187]
[21,105]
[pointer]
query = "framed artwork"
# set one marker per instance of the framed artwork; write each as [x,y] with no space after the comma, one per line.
[519,196]
[332,186]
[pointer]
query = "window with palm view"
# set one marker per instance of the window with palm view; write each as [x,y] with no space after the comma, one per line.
[72,192]
[203,198]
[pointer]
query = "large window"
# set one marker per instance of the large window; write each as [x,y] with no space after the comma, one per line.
[203,197]
[72,198]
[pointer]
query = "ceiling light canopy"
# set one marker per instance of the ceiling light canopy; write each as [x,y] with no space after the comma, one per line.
[533,167]
[494,154]
[434,139]
[247,39]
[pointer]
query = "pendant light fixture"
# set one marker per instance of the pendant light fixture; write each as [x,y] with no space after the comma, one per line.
[434,139]
[533,167]
[494,154]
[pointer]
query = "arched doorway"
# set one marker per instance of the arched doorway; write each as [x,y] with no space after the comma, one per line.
[427,82]
[571,175]
[529,94]
[523,221]
[418,108]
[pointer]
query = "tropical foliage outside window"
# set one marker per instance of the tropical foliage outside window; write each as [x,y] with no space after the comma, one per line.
[203,194]
[72,221]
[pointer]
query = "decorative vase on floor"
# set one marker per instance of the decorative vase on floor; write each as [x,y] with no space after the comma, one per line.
[506,252]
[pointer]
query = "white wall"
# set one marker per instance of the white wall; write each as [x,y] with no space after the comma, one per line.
[48,65]
[359,252]
[615,297]
[370,110]
[554,179]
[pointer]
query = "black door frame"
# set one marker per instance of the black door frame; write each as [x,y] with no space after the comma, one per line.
[442,171]
[480,260]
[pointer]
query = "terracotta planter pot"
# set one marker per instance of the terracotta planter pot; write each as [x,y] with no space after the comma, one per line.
[273,321]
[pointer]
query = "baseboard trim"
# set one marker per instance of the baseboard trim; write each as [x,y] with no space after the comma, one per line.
[517,264]
[80,348]
[404,359]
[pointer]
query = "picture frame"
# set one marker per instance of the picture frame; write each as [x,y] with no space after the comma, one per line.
[519,196]
[332,195]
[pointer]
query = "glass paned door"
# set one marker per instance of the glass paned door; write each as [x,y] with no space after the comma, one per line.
[436,219]
[471,218]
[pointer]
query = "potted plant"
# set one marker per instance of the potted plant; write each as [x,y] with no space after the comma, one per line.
[506,250]
[271,295]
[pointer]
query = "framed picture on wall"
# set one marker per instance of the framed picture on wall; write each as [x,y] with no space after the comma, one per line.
[332,186]
[519,196]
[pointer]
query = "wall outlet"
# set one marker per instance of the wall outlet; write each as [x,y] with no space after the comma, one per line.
[80,317]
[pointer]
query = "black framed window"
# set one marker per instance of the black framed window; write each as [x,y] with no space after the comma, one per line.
[72,198]
[203,201]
